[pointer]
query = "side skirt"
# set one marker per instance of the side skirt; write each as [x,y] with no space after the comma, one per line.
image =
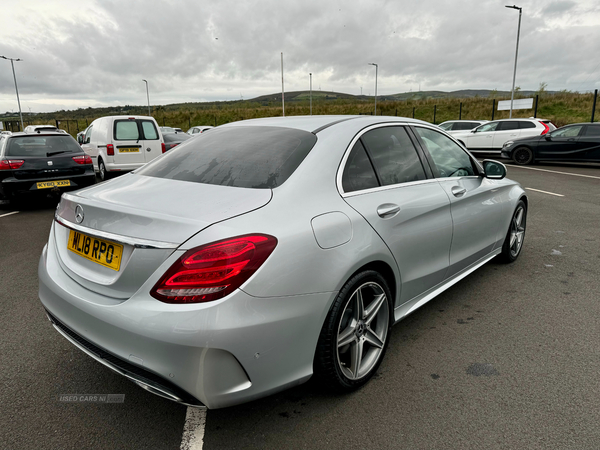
[412,305]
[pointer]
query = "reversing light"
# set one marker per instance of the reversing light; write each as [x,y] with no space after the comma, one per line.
[213,271]
[110,149]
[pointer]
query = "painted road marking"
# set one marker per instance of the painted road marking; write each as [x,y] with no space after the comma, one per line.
[193,429]
[544,192]
[554,171]
[10,214]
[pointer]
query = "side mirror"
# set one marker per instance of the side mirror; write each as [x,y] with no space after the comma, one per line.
[474,130]
[80,139]
[548,137]
[494,170]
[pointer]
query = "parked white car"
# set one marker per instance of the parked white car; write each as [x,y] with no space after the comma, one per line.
[491,136]
[119,144]
[199,129]
[453,127]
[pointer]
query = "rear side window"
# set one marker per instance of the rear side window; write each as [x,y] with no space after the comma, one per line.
[393,155]
[149,129]
[41,146]
[358,173]
[447,126]
[126,130]
[505,126]
[248,157]
[524,124]
[592,130]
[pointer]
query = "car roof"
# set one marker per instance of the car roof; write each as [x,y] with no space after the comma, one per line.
[314,124]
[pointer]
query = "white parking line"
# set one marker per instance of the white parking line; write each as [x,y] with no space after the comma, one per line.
[193,429]
[554,171]
[544,192]
[10,214]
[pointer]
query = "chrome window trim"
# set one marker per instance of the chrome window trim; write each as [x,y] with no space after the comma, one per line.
[342,165]
[127,240]
[390,186]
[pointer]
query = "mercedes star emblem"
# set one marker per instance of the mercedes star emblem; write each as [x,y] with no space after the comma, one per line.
[78,214]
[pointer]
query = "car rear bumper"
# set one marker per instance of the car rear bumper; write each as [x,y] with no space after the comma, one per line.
[13,186]
[216,354]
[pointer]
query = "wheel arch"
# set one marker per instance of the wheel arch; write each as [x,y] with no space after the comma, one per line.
[386,272]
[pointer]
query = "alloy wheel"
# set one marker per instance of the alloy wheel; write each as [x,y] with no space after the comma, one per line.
[517,232]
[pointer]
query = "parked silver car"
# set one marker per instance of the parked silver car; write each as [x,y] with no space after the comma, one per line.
[245,260]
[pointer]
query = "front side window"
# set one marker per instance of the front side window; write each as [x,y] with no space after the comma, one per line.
[567,132]
[150,132]
[248,157]
[449,158]
[393,155]
[490,126]
[126,130]
[465,125]
[88,134]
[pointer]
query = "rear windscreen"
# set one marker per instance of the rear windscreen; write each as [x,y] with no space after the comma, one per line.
[41,145]
[249,157]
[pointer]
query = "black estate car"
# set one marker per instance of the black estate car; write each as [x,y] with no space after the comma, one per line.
[579,142]
[44,162]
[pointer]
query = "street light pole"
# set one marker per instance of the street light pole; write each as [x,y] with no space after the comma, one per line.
[147,96]
[310,93]
[376,69]
[16,88]
[512,92]
[282,89]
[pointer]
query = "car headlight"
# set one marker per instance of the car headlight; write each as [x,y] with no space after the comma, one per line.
[508,144]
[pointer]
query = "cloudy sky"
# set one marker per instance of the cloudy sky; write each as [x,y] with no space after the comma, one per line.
[80,53]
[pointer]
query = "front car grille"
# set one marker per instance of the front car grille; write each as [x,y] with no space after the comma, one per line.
[144,378]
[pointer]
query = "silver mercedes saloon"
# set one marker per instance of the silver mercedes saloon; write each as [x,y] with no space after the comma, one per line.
[250,258]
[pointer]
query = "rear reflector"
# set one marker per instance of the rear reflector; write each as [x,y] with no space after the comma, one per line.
[212,271]
[8,164]
[83,159]
[546,128]
[110,149]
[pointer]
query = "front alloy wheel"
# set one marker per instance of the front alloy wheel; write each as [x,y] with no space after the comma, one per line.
[516,234]
[523,156]
[355,335]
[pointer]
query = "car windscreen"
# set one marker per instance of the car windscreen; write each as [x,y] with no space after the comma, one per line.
[41,145]
[248,157]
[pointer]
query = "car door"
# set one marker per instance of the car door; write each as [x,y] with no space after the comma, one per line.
[129,143]
[589,141]
[506,131]
[476,203]
[562,144]
[89,146]
[482,137]
[385,180]
[151,139]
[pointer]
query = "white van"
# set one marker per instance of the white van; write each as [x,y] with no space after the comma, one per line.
[122,143]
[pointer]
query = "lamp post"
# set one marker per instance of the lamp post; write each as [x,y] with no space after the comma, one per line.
[512,92]
[310,93]
[16,88]
[376,69]
[282,89]
[147,96]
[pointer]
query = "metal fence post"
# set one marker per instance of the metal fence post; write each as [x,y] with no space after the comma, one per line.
[536,103]
[493,108]
[594,107]
[413,112]
[434,111]
[460,112]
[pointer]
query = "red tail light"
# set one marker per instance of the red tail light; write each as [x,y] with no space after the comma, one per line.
[8,164]
[164,149]
[546,128]
[110,150]
[212,271]
[83,159]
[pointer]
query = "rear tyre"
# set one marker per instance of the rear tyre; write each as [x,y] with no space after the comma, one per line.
[522,156]
[102,173]
[355,334]
[513,244]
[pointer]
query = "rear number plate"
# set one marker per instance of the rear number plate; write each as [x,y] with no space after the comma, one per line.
[51,184]
[102,252]
[129,150]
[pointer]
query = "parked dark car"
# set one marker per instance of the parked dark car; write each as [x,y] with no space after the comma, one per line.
[48,162]
[174,139]
[579,142]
